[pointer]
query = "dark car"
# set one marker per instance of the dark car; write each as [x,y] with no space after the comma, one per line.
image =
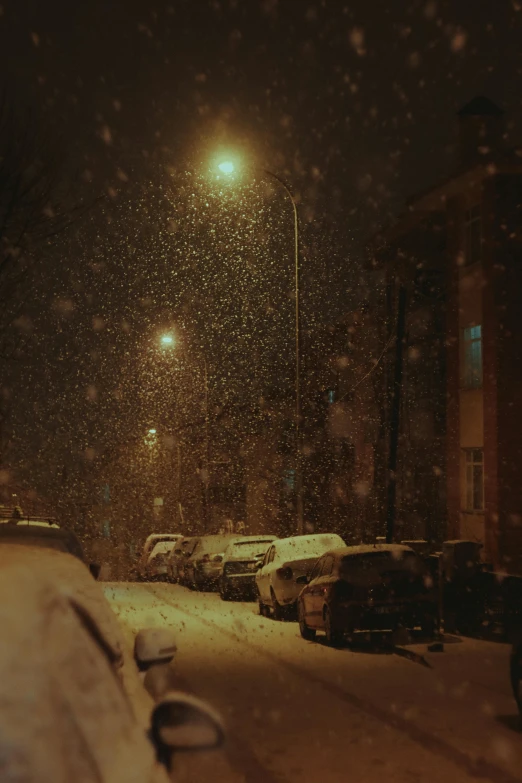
[367,588]
[240,564]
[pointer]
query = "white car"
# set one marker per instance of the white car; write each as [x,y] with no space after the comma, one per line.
[73,707]
[285,561]
[157,562]
[148,546]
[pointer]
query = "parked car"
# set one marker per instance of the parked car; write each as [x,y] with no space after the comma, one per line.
[285,561]
[240,565]
[178,557]
[367,588]
[150,542]
[204,565]
[73,705]
[38,532]
[157,562]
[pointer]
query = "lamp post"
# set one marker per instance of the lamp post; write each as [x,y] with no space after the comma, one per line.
[228,167]
[169,341]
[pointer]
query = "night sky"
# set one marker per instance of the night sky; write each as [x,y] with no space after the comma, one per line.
[354,103]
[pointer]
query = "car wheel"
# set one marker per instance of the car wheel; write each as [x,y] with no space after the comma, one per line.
[333,637]
[277,610]
[306,632]
[224,592]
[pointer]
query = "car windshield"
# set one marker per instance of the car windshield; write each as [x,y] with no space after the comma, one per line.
[247,549]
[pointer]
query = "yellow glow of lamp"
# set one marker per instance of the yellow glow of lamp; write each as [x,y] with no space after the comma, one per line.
[226,167]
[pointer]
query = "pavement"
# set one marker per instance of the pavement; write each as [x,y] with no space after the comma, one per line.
[300,711]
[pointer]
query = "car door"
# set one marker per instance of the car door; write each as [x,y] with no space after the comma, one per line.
[263,580]
[320,588]
[308,594]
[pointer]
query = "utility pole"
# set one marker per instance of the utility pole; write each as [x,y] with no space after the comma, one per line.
[391,494]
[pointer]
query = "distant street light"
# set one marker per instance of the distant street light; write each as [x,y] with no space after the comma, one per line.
[228,168]
[169,341]
[152,432]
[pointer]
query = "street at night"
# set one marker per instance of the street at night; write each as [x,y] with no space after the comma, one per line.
[299,711]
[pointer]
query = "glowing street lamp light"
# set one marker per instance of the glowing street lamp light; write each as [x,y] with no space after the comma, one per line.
[152,431]
[226,167]
[167,340]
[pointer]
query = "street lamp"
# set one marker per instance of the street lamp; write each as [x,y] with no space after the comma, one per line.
[228,167]
[168,340]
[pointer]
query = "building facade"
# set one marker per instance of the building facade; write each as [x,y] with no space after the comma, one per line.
[477,259]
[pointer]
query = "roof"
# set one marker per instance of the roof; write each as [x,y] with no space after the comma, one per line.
[480,106]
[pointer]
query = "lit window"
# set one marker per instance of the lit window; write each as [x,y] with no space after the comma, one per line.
[474,479]
[331,396]
[472,357]
[473,248]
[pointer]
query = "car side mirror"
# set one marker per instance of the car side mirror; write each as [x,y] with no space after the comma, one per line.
[302,580]
[182,722]
[153,646]
[95,569]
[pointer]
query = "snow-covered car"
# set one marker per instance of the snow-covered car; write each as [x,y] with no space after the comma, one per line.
[367,588]
[72,704]
[285,561]
[204,565]
[240,565]
[177,558]
[157,562]
[148,546]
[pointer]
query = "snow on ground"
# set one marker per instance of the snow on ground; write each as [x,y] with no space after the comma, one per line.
[300,711]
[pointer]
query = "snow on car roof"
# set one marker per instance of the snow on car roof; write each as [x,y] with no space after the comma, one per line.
[307,546]
[161,547]
[253,540]
[364,549]
[163,537]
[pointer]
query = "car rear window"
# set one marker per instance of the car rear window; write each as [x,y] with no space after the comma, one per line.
[248,549]
[378,563]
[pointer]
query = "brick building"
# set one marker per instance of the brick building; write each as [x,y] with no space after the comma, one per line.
[465,236]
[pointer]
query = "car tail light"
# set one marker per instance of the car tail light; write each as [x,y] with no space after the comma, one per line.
[285,573]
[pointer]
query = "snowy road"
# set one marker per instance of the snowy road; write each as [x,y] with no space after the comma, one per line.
[300,711]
